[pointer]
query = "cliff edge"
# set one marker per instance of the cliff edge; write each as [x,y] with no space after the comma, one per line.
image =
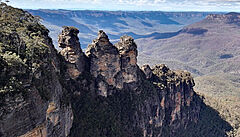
[102,92]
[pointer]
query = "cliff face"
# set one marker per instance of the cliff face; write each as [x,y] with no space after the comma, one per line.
[102,93]
[31,90]
[113,66]
[114,97]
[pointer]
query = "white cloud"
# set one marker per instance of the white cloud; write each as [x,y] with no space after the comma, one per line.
[159,1]
[87,1]
[72,1]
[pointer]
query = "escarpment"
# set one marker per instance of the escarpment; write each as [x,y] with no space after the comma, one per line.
[102,92]
[120,99]
[31,93]
[230,18]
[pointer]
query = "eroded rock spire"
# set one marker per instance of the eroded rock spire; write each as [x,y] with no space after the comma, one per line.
[128,52]
[104,63]
[69,42]
[115,66]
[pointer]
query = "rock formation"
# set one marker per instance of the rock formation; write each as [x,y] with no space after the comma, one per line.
[113,66]
[167,100]
[31,101]
[128,53]
[147,71]
[104,63]
[69,42]
[102,93]
[179,96]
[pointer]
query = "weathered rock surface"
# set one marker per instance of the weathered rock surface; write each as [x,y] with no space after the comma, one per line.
[69,42]
[147,71]
[104,63]
[163,98]
[29,81]
[104,93]
[179,95]
[114,66]
[128,53]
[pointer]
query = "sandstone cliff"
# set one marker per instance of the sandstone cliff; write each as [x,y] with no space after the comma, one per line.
[100,93]
[31,92]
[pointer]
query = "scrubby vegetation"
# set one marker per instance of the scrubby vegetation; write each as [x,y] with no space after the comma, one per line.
[221,92]
[112,116]
[104,116]
[23,49]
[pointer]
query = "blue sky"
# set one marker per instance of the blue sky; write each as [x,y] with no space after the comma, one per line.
[142,5]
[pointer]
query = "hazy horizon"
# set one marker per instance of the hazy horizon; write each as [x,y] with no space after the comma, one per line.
[131,10]
[132,5]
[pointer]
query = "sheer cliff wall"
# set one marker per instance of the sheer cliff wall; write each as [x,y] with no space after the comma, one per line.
[100,92]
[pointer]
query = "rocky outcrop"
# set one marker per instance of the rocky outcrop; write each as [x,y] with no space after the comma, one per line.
[102,93]
[69,42]
[178,99]
[113,66]
[30,83]
[104,63]
[167,97]
[128,53]
[147,71]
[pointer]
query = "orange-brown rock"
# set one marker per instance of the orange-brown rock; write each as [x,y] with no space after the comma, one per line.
[128,52]
[69,42]
[179,95]
[105,62]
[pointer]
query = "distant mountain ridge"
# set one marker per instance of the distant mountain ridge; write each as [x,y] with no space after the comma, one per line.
[138,24]
[230,18]
[203,45]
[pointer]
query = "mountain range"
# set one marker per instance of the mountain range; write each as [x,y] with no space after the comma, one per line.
[205,44]
[205,47]
[99,92]
[140,24]
[107,88]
